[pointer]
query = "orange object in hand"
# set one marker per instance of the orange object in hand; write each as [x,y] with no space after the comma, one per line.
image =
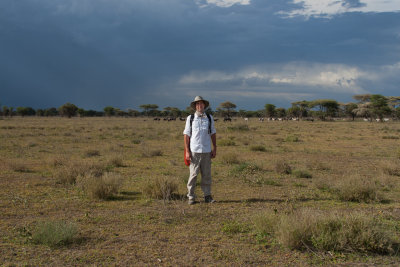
[187,162]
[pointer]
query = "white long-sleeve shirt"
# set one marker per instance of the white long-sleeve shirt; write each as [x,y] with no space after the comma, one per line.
[200,139]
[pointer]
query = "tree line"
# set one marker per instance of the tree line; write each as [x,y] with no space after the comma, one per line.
[369,106]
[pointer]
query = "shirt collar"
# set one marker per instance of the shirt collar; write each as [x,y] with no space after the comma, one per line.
[202,115]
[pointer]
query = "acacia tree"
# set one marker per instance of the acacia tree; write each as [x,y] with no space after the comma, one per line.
[227,108]
[172,111]
[281,112]
[370,106]
[350,110]
[133,113]
[303,108]
[81,112]
[68,110]
[51,112]
[148,108]
[293,111]
[397,113]
[40,112]
[362,98]
[25,111]
[379,105]
[363,106]
[394,102]
[270,110]
[5,111]
[327,107]
[109,111]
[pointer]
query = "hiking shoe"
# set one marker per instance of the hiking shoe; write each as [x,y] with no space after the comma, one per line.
[209,199]
[191,202]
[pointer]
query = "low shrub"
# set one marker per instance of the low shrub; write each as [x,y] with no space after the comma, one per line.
[116,161]
[239,127]
[311,229]
[259,179]
[283,167]
[58,161]
[18,166]
[391,168]
[265,224]
[161,188]
[101,187]
[149,152]
[260,148]
[230,158]
[245,168]
[226,142]
[54,233]
[233,227]
[156,153]
[292,138]
[69,173]
[390,137]
[92,153]
[301,174]
[357,189]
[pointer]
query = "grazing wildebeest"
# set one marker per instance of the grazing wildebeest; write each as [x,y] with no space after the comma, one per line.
[156,119]
[227,119]
[260,119]
[182,119]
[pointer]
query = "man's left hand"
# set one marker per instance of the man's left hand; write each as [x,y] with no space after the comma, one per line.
[213,153]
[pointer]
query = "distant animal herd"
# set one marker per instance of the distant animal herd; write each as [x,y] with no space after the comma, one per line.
[262,119]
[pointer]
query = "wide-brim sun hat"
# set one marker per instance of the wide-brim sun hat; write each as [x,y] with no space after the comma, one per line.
[197,99]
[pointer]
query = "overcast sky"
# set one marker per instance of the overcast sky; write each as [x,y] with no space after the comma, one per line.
[125,53]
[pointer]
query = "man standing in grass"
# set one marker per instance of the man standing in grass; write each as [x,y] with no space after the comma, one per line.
[198,134]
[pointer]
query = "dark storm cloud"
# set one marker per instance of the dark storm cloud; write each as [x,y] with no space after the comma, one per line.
[125,53]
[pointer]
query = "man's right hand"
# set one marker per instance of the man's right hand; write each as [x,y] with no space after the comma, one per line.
[187,155]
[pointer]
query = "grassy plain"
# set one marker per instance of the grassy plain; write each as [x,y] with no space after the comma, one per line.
[264,172]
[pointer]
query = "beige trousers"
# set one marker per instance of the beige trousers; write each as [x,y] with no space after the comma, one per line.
[199,162]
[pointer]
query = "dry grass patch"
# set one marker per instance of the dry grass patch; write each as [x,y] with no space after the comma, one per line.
[309,229]
[301,174]
[18,166]
[116,161]
[148,152]
[164,188]
[292,139]
[391,167]
[283,167]
[259,148]
[103,187]
[68,174]
[230,158]
[92,153]
[226,142]
[234,227]
[358,188]
[239,127]
[58,161]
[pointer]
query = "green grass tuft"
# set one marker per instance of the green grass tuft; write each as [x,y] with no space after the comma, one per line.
[260,148]
[301,174]
[54,233]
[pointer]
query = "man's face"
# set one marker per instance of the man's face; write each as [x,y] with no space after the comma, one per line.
[200,106]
